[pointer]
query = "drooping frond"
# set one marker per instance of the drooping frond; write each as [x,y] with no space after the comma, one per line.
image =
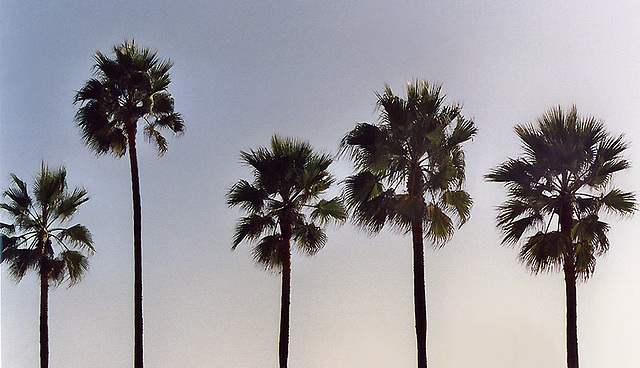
[543,252]
[252,227]
[78,236]
[245,195]
[76,264]
[309,237]
[439,225]
[20,261]
[268,252]
[460,202]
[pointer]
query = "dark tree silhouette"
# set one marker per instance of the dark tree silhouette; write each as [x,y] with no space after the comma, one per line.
[283,205]
[38,238]
[125,90]
[411,172]
[557,190]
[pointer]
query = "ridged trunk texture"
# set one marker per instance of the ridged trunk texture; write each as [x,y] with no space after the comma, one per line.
[137,250]
[286,294]
[44,320]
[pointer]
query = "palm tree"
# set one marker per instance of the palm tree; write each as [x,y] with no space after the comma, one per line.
[410,173]
[283,205]
[557,190]
[38,239]
[130,88]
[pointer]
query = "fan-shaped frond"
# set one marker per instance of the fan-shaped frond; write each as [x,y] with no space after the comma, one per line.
[77,236]
[543,252]
[76,265]
[328,210]
[439,225]
[309,237]
[268,252]
[252,227]
[245,195]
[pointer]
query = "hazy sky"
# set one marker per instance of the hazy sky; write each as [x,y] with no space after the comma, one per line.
[246,70]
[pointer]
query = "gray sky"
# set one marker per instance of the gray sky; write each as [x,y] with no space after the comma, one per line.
[244,71]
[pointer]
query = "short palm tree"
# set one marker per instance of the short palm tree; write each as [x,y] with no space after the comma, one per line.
[410,174]
[557,190]
[125,90]
[37,238]
[284,208]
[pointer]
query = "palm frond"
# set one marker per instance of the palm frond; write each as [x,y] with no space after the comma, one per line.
[20,261]
[439,225]
[247,196]
[329,210]
[309,237]
[69,204]
[619,202]
[76,265]
[268,252]
[252,227]
[544,252]
[77,236]
[460,202]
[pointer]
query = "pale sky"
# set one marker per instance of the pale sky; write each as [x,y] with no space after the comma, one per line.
[246,70]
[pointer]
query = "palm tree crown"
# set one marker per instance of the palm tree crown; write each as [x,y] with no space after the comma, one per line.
[37,237]
[129,88]
[288,182]
[410,165]
[562,183]
[283,204]
[410,174]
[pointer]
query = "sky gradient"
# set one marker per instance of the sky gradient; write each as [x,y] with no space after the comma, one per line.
[244,71]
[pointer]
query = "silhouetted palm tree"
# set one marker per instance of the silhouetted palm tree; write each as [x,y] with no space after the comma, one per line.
[130,88]
[38,239]
[283,203]
[557,190]
[410,175]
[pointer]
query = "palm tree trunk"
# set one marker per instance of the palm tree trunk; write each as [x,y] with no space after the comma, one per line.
[419,293]
[44,320]
[566,224]
[137,249]
[286,295]
[572,313]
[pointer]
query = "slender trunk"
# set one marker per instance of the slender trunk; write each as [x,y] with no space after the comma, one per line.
[137,249]
[572,313]
[44,320]
[286,294]
[419,293]
[569,267]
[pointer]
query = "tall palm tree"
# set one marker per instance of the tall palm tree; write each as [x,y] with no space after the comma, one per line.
[410,174]
[125,90]
[38,237]
[284,208]
[557,190]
